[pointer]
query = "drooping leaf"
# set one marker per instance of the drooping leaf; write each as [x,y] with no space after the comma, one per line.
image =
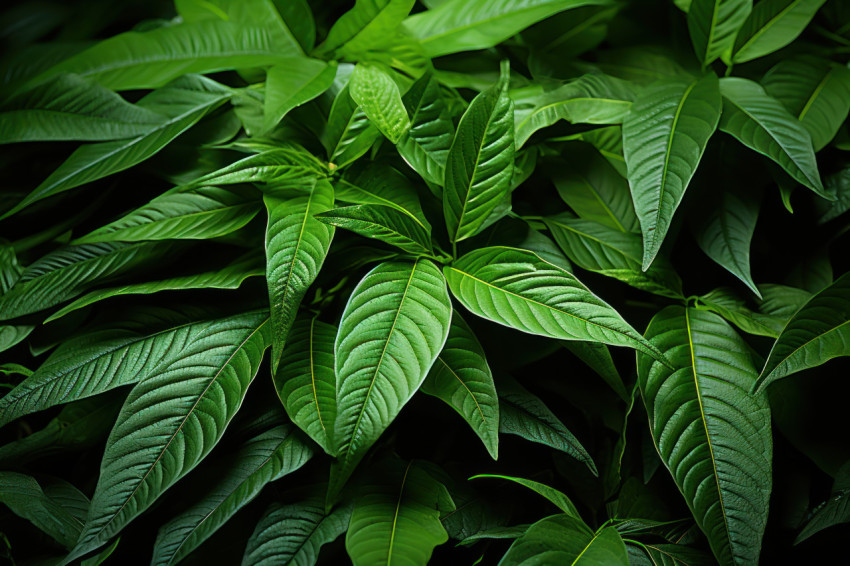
[294,82]
[185,409]
[425,146]
[837,184]
[818,332]
[280,165]
[764,125]
[556,497]
[377,94]
[713,25]
[772,25]
[383,223]
[664,137]
[305,379]
[480,162]
[518,289]
[26,498]
[711,433]
[263,459]
[392,330]
[296,246]
[561,539]
[462,378]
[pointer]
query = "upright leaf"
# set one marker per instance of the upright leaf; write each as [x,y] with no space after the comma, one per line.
[712,435]
[664,137]
[425,146]
[392,330]
[348,133]
[562,539]
[713,25]
[772,25]
[377,94]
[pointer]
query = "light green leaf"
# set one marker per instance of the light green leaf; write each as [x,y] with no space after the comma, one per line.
[26,498]
[293,82]
[772,25]
[348,133]
[815,91]
[395,518]
[462,378]
[561,539]
[70,271]
[296,247]
[818,332]
[282,165]
[305,380]
[169,423]
[382,185]
[465,25]
[557,498]
[425,146]
[730,306]
[724,232]
[69,107]
[664,137]
[764,125]
[392,330]
[480,162]
[516,288]
[205,212]
[613,253]
[383,223]
[263,459]
[183,103]
[713,25]
[368,25]
[712,435]
[377,94]
[294,534]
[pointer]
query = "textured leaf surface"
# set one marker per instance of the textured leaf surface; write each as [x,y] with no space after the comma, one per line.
[712,435]
[518,289]
[370,23]
[273,166]
[383,223]
[375,91]
[425,146]
[383,185]
[26,498]
[392,330]
[561,539]
[349,133]
[462,378]
[772,25]
[713,25]
[664,137]
[556,497]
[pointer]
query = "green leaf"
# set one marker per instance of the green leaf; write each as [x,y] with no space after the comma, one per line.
[598,358]
[26,498]
[772,25]
[713,25]
[383,223]
[815,91]
[730,306]
[561,539]
[764,125]
[69,107]
[294,534]
[480,162]
[462,378]
[392,330]
[557,498]
[608,141]
[395,518]
[664,137]
[296,247]
[525,415]
[518,289]
[349,133]
[818,332]
[837,184]
[205,212]
[70,271]
[833,511]
[293,82]
[279,165]
[425,146]
[712,435]
[591,99]
[263,459]
[183,103]
[377,94]
[368,25]
[169,423]
[465,25]
[138,348]
[724,233]
[613,253]
[230,276]
[513,532]
[305,380]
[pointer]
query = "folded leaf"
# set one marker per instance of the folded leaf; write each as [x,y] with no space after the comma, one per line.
[713,25]
[377,94]
[561,539]
[381,223]
[772,25]
[425,146]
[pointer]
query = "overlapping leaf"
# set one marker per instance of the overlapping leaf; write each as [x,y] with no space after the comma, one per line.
[383,223]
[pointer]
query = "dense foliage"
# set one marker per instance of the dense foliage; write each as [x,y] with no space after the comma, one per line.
[459,281]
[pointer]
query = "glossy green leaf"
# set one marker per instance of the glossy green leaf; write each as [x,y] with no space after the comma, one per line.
[815,91]
[462,378]
[296,246]
[480,162]
[713,25]
[392,330]
[764,125]
[613,253]
[383,185]
[556,497]
[291,535]
[710,432]
[280,165]
[518,289]
[772,25]
[263,459]
[294,82]
[305,379]
[368,25]
[382,223]
[608,141]
[725,302]
[664,137]
[834,511]
[425,146]
[349,133]
[26,498]
[377,94]
[818,332]
[561,539]
[185,409]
